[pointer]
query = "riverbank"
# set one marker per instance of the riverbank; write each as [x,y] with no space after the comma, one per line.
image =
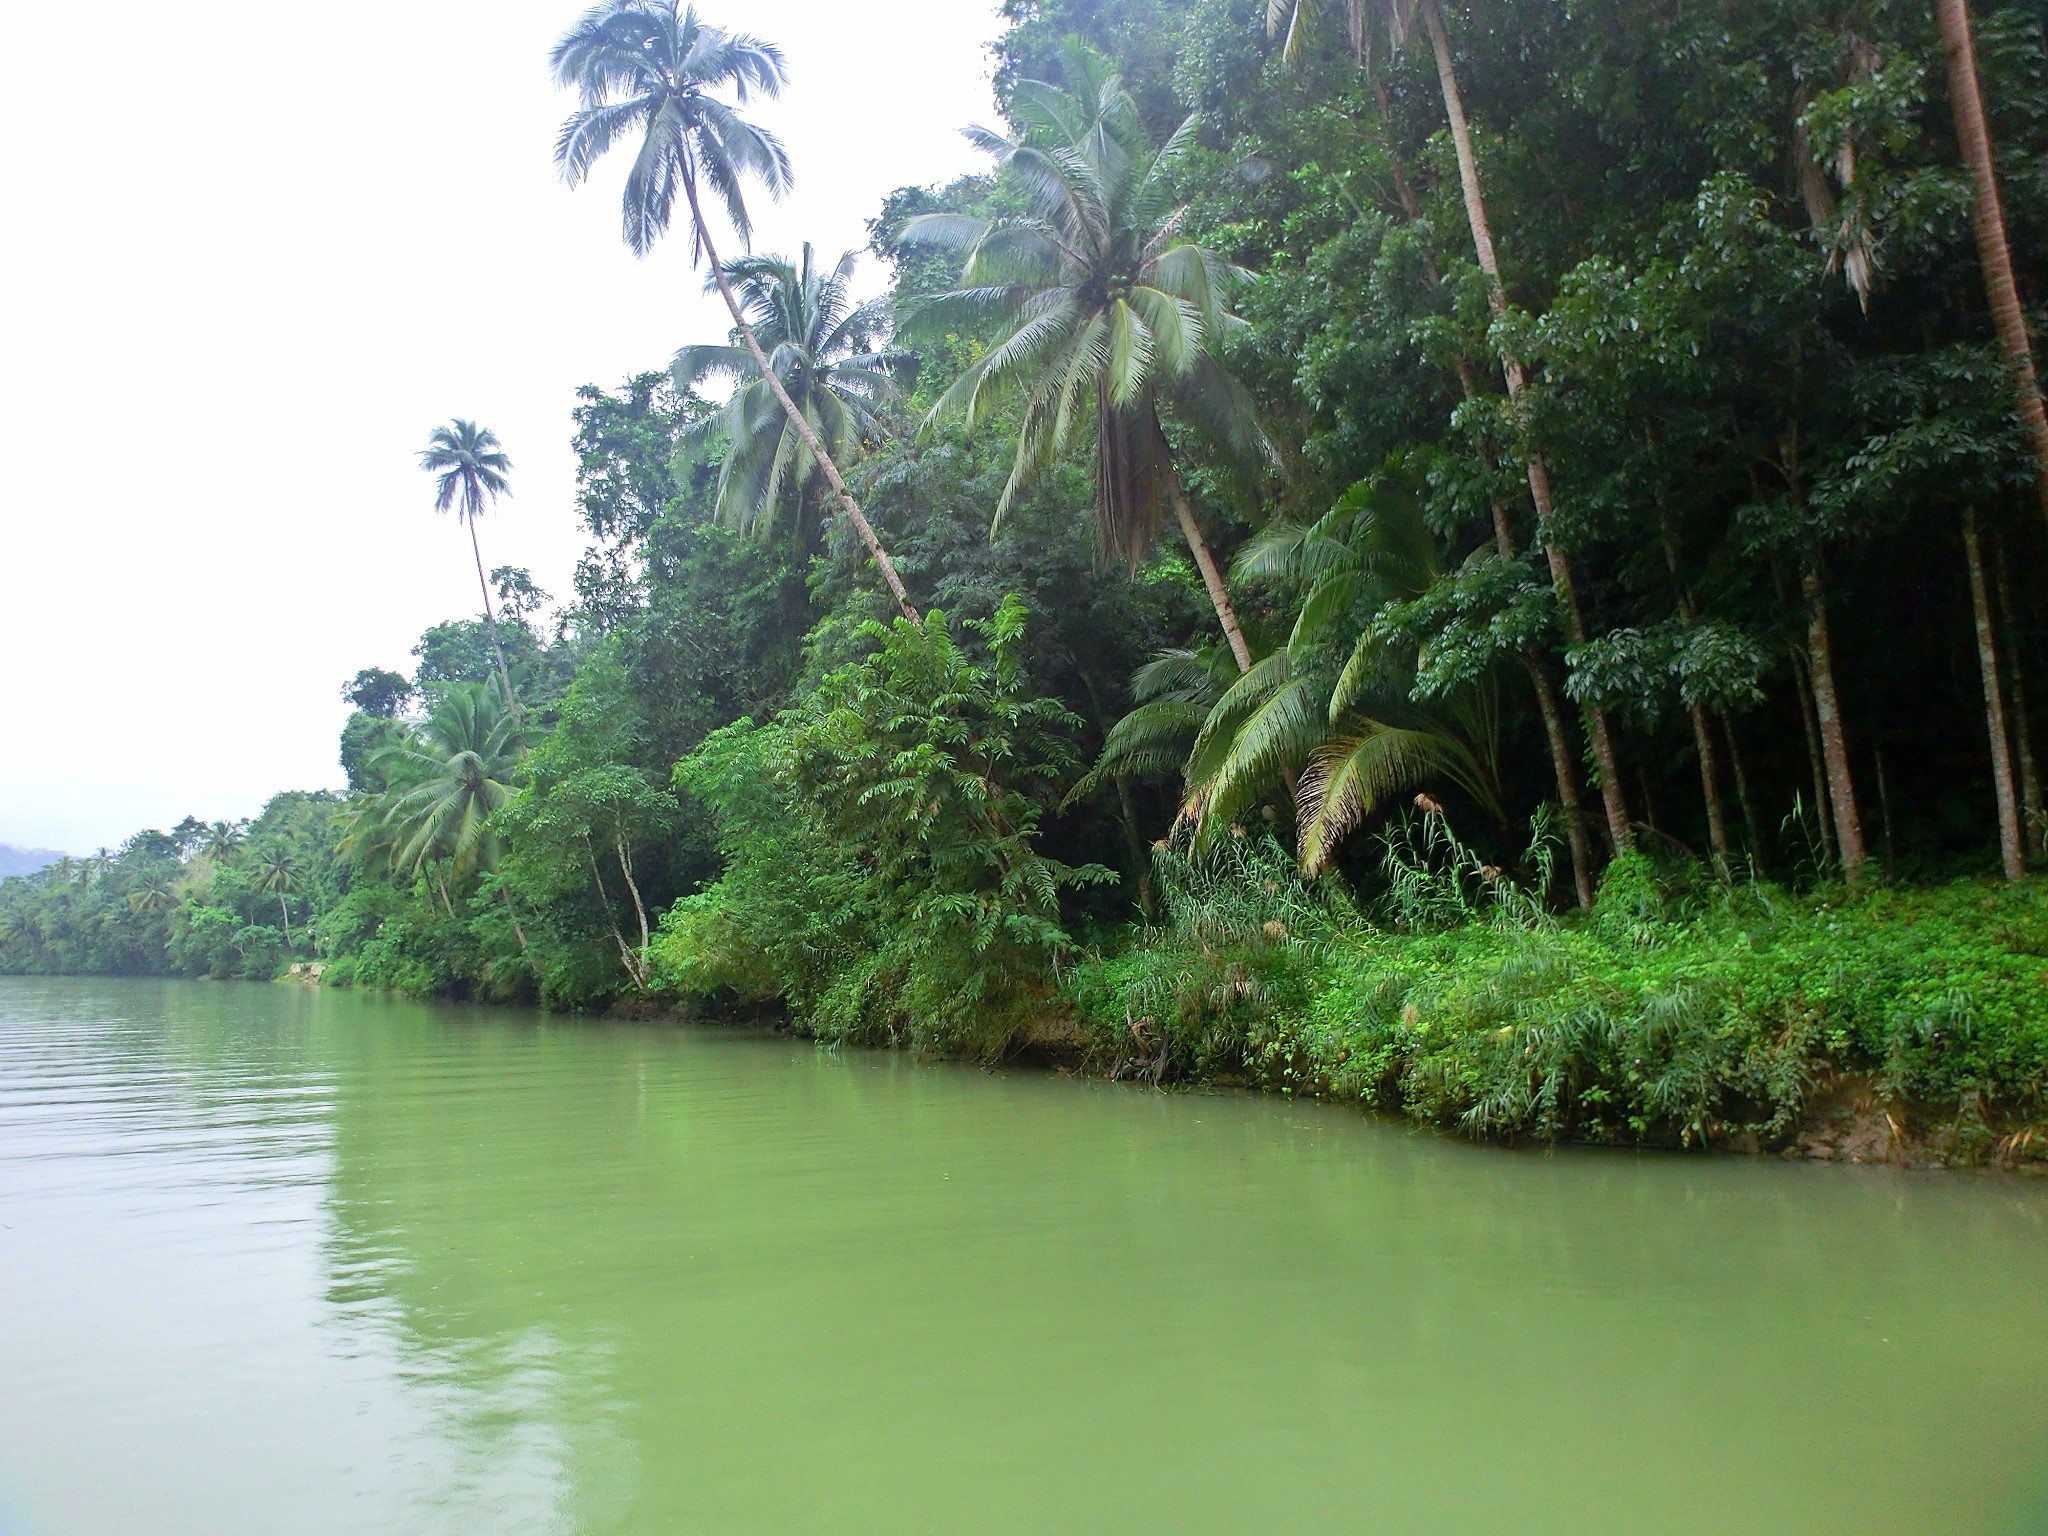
[1893,1024]
[1887,1025]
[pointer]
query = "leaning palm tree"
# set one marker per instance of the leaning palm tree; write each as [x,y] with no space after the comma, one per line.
[1987,214]
[651,68]
[1395,20]
[1109,316]
[473,473]
[277,871]
[823,349]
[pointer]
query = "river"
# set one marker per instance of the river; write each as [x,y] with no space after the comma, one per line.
[274,1259]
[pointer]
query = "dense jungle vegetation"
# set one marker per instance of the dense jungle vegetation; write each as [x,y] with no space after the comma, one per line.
[1480,555]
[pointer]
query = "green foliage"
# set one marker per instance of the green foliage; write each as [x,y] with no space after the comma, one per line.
[1679,1012]
[882,871]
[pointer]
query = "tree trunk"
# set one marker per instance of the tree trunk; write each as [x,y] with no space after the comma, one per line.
[2033,821]
[2011,848]
[1710,791]
[1884,806]
[797,420]
[626,957]
[512,912]
[1567,781]
[1212,578]
[1547,704]
[1752,824]
[1834,743]
[1611,795]
[639,907]
[491,624]
[285,912]
[1987,218]
[1823,816]
[1703,739]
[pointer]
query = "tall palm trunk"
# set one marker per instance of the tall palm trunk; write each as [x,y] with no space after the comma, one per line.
[285,912]
[1987,217]
[1827,710]
[491,624]
[1205,562]
[797,419]
[1547,704]
[2011,847]
[1616,804]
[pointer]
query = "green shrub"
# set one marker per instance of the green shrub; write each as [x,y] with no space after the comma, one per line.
[881,873]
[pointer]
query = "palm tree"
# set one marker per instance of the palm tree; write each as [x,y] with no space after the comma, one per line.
[1396,20]
[1109,314]
[454,772]
[651,68]
[822,347]
[223,839]
[1330,713]
[473,471]
[1326,717]
[277,871]
[1987,217]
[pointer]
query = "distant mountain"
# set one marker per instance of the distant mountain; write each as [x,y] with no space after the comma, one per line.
[25,861]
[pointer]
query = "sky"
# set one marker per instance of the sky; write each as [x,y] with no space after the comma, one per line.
[252,255]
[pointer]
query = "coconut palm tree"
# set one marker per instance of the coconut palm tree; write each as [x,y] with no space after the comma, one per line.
[822,346]
[1396,20]
[473,473]
[651,69]
[1987,217]
[223,840]
[452,774]
[1108,315]
[277,871]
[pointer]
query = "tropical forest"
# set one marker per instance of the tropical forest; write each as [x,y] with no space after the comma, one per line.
[1482,559]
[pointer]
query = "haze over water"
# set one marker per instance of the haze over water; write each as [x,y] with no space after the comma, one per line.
[275,1259]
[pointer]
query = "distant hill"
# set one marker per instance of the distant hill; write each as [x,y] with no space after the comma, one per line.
[25,861]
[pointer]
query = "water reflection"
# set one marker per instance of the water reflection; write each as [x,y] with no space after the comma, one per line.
[288,1260]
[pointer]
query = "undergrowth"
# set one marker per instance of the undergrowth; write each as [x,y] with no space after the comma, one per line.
[1679,1011]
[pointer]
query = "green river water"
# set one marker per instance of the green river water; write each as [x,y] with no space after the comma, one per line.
[281,1261]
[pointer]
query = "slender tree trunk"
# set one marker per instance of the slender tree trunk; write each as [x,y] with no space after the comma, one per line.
[797,419]
[1552,711]
[285,912]
[1615,802]
[2035,823]
[1205,562]
[1884,806]
[491,624]
[1987,217]
[1752,824]
[1710,790]
[2011,847]
[1703,739]
[626,957]
[442,886]
[512,912]
[1824,816]
[639,907]
[1827,709]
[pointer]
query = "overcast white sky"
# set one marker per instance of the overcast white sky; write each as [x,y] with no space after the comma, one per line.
[253,254]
